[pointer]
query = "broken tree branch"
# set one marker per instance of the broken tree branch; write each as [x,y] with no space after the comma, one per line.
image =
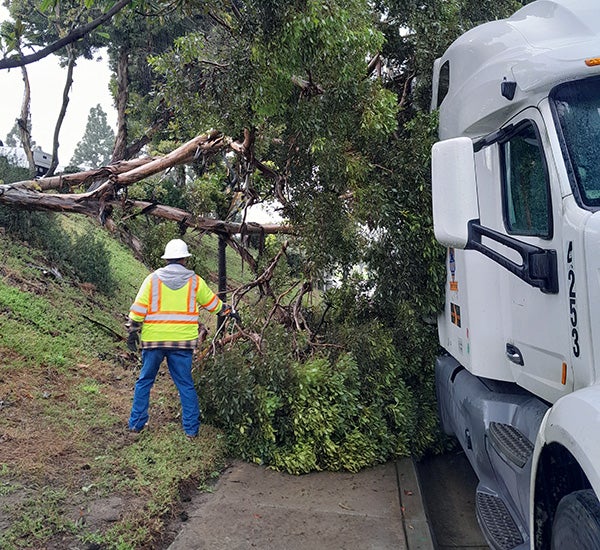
[79,178]
[262,281]
[102,197]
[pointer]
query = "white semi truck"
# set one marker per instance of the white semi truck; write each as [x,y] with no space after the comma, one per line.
[516,199]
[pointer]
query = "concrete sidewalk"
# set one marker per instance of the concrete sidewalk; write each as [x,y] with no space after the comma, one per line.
[254,507]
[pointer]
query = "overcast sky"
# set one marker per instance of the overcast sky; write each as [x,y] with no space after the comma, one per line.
[47,78]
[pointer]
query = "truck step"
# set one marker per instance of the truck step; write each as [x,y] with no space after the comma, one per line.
[496,522]
[510,443]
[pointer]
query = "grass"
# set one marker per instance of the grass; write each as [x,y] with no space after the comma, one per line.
[66,382]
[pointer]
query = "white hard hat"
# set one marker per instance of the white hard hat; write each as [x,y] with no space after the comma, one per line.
[175,250]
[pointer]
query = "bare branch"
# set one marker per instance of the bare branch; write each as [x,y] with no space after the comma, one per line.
[63,109]
[213,63]
[308,87]
[242,251]
[375,65]
[134,148]
[220,21]
[230,338]
[80,178]
[297,307]
[261,281]
[204,224]
[406,91]
[277,306]
[206,143]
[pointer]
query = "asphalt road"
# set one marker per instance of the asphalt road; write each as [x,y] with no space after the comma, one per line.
[448,485]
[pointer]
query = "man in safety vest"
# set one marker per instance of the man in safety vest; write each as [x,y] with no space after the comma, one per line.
[165,312]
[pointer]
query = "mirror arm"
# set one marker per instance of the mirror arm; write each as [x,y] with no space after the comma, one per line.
[539,267]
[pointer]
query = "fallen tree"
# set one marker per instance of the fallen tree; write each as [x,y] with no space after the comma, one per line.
[107,189]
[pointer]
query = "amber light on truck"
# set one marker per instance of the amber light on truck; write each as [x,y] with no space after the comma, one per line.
[593,61]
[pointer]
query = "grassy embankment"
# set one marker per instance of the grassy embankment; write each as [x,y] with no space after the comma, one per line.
[69,471]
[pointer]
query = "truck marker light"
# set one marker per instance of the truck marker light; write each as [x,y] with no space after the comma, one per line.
[593,61]
[564,374]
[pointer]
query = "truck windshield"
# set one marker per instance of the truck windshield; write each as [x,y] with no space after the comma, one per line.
[577,108]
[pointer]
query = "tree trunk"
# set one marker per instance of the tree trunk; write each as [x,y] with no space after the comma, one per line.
[120,149]
[84,179]
[23,121]
[63,109]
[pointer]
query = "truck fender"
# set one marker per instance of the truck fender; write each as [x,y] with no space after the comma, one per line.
[573,423]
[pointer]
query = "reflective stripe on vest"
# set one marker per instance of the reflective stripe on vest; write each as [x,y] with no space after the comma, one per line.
[212,305]
[154,294]
[171,317]
[156,313]
[138,308]
[192,292]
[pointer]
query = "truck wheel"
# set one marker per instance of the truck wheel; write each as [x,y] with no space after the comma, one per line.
[577,522]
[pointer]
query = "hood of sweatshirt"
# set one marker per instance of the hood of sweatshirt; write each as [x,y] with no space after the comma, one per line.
[174,276]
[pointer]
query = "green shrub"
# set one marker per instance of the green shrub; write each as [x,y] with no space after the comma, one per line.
[367,399]
[39,229]
[90,260]
[84,255]
[9,173]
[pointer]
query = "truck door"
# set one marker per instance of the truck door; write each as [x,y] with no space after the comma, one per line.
[536,330]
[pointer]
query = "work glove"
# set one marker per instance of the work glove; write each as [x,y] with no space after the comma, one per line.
[133,340]
[229,312]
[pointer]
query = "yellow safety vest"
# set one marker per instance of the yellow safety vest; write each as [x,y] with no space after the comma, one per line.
[172,315]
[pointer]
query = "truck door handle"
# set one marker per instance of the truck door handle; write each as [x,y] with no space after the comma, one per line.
[514,354]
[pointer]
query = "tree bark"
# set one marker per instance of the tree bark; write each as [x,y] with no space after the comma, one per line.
[86,178]
[120,148]
[23,121]
[124,173]
[204,224]
[20,197]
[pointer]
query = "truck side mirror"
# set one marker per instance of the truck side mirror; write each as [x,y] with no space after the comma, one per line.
[454,190]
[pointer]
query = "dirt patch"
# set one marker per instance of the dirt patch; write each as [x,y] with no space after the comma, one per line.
[61,433]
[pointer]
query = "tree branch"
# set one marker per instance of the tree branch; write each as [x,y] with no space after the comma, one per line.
[73,36]
[263,280]
[63,109]
[24,121]
[204,224]
[101,200]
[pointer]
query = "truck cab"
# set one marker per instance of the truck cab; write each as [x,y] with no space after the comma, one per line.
[516,201]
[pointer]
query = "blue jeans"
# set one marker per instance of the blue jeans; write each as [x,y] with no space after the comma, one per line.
[180,369]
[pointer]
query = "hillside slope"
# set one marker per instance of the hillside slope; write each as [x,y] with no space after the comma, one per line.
[70,473]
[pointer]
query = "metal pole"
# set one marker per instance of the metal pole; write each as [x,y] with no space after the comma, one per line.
[222,274]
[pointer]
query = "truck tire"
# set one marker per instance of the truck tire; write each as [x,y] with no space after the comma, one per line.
[577,522]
